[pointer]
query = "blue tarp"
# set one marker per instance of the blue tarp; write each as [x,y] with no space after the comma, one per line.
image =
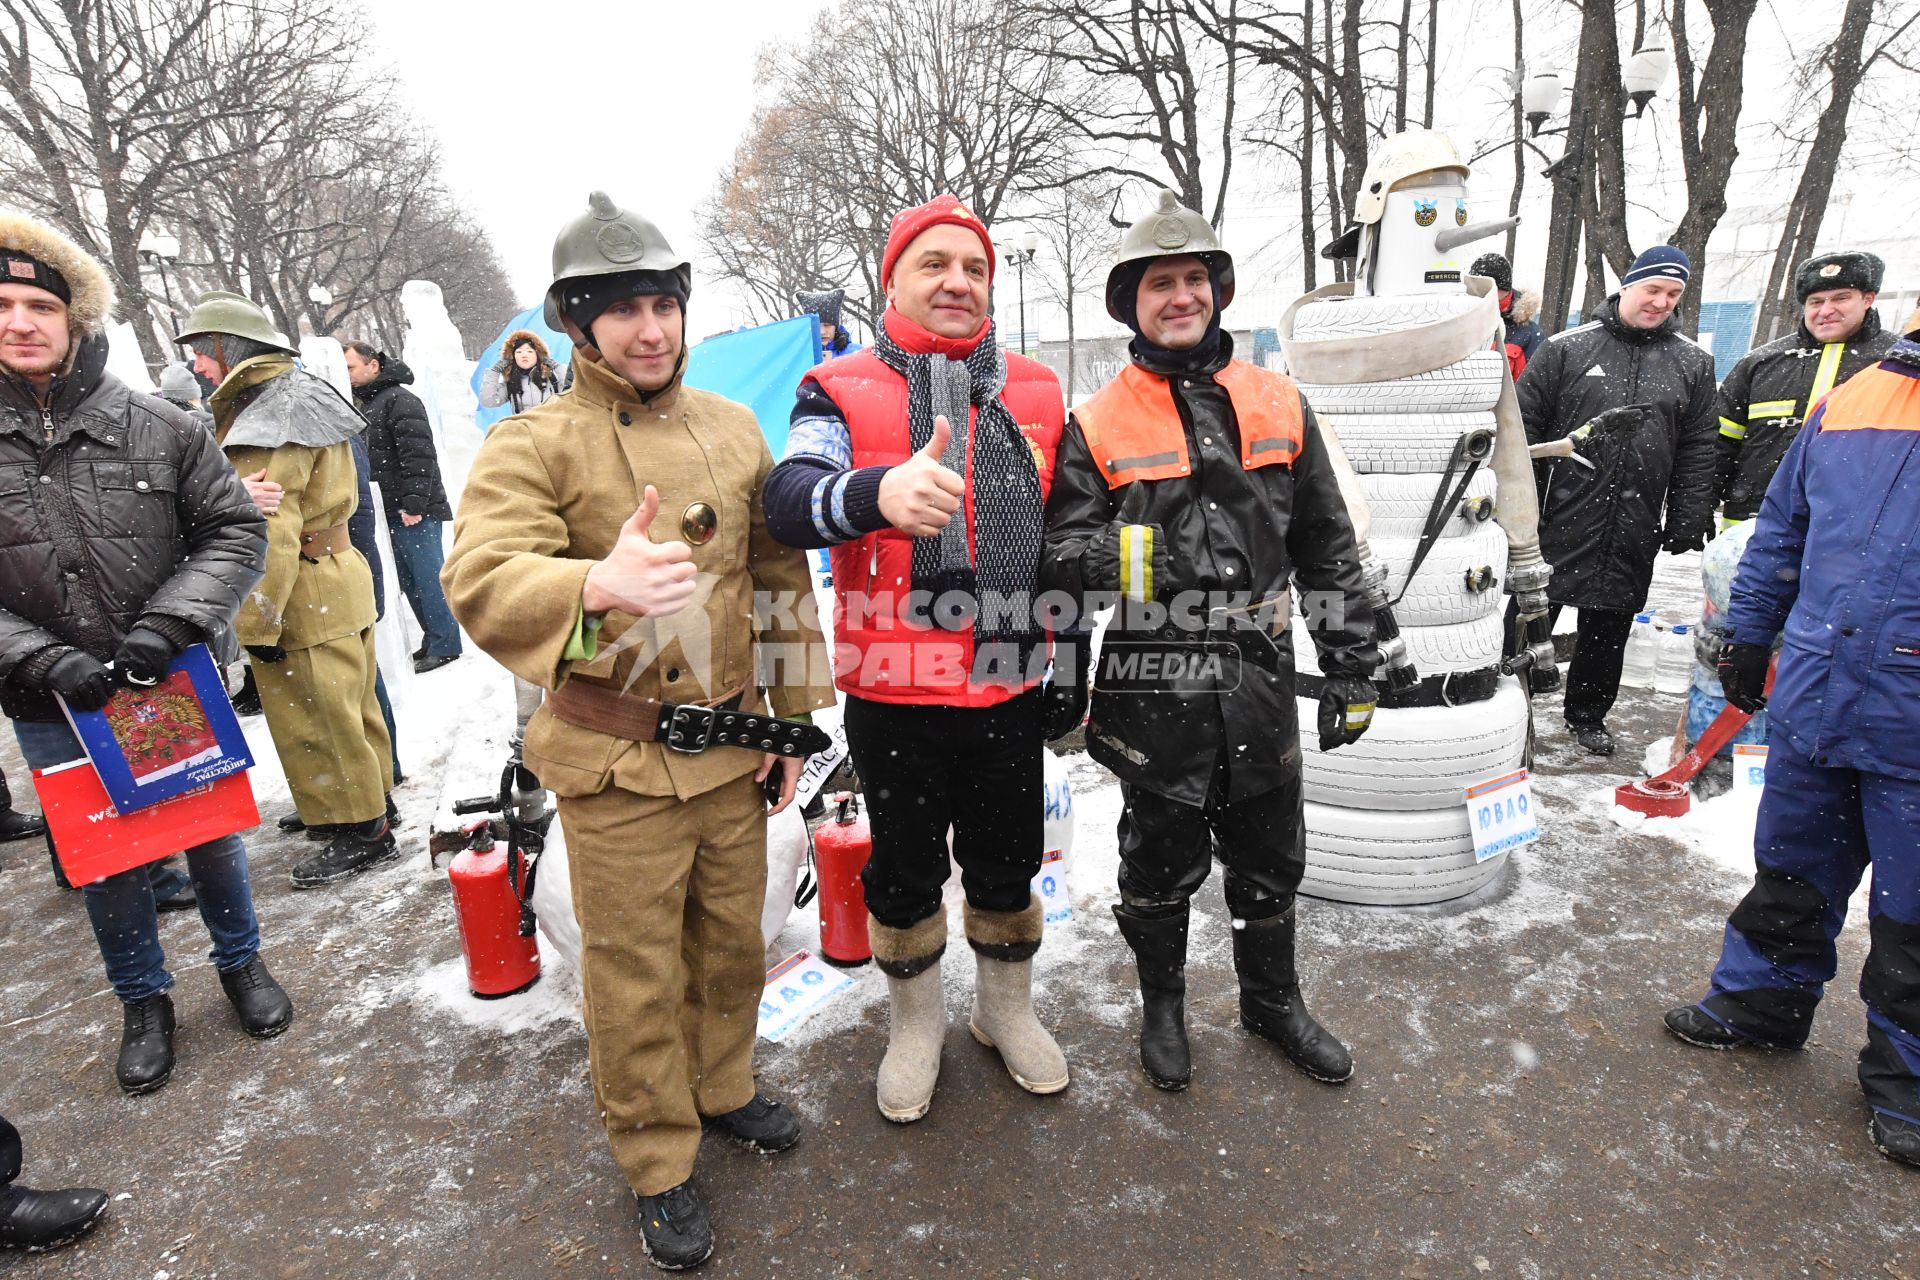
[760,367]
[559,347]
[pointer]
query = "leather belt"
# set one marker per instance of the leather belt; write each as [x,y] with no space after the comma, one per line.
[1257,647]
[1452,689]
[325,542]
[687,727]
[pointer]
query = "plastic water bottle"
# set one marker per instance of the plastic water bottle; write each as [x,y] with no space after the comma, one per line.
[1673,671]
[1643,647]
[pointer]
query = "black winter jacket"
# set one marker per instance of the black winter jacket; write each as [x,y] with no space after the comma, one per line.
[406,463]
[1232,536]
[1601,528]
[114,506]
[1769,394]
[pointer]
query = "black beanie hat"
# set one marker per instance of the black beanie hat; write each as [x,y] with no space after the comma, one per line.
[1847,269]
[584,298]
[20,268]
[1495,267]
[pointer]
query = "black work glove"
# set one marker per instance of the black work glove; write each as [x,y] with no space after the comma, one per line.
[143,656]
[1743,675]
[1131,559]
[1065,700]
[82,679]
[267,653]
[1346,709]
[1678,543]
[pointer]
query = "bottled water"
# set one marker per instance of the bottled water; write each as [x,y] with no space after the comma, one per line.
[1643,646]
[1673,671]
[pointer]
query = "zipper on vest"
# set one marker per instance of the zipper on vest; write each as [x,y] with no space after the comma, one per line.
[873,565]
[46,425]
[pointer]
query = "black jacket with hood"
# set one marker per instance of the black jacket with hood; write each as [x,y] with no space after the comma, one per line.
[1652,478]
[114,507]
[406,463]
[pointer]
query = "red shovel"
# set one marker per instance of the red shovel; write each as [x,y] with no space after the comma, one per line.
[1667,796]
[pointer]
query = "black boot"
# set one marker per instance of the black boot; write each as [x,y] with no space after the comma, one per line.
[247,701]
[37,1221]
[1271,1004]
[675,1230]
[1594,738]
[146,1044]
[265,1009]
[1160,954]
[360,846]
[15,825]
[1896,1139]
[763,1124]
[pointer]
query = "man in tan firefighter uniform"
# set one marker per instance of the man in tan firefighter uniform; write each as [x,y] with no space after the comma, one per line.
[609,548]
[309,623]
[1775,387]
[1197,486]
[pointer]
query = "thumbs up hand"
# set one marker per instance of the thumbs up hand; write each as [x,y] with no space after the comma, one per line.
[642,577]
[920,495]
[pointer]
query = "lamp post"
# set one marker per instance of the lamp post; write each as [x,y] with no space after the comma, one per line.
[161,249]
[1018,255]
[1641,78]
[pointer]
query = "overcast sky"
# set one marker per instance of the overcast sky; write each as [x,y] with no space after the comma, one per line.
[537,102]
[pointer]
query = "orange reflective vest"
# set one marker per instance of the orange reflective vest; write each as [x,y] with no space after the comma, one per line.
[1133,430]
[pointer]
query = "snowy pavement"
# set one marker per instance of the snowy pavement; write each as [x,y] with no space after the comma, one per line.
[1517,1111]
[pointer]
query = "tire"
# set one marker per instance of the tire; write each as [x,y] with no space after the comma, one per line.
[1464,386]
[1463,646]
[1418,757]
[1370,317]
[1438,595]
[1395,858]
[1397,504]
[1402,443]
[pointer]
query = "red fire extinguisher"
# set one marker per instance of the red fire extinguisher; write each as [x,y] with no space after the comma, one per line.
[841,849]
[492,891]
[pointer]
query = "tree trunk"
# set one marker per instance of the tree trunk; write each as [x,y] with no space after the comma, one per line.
[1400,67]
[1433,58]
[1709,126]
[1779,311]
[1519,126]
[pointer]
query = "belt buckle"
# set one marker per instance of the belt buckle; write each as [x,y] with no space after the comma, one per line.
[685,722]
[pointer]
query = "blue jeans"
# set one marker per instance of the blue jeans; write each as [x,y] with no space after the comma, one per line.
[121,905]
[417,557]
[386,713]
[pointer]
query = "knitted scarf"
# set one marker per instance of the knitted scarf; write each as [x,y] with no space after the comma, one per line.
[999,562]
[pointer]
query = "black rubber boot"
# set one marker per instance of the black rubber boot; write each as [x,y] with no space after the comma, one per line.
[36,1221]
[1594,738]
[675,1230]
[146,1044]
[264,1007]
[360,846]
[1271,1004]
[763,1124]
[1160,954]
[15,825]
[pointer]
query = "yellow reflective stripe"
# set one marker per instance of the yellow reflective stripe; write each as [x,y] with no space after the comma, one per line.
[1732,430]
[1136,561]
[1359,714]
[1829,369]
[1771,409]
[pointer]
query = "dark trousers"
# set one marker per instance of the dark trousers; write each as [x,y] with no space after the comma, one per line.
[417,558]
[1819,830]
[1167,848]
[926,770]
[1600,650]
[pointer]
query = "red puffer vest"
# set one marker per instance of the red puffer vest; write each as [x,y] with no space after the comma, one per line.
[878,654]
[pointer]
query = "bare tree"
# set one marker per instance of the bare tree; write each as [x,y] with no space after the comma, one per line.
[1709,121]
[1075,227]
[1848,63]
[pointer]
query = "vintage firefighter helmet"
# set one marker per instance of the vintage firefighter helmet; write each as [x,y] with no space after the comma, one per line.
[1401,157]
[1169,230]
[607,240]
[220,312]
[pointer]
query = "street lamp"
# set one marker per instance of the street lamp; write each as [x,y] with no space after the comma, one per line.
[161,249]
[1018,255]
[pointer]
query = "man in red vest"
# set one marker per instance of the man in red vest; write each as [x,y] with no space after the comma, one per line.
[923,462]
[1194,486]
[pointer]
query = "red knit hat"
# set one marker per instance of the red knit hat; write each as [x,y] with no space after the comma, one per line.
[909,223]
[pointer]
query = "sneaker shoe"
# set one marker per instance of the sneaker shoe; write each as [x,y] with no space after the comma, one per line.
[264,1007]
[1593,737]
[675,1229]
[763,1124]
[1696,1028]
[359,847]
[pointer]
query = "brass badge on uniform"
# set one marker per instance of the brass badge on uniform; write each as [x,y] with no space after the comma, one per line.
[698,524]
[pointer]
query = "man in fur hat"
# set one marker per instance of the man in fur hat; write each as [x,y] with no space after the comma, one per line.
[134,540]
[309,625]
